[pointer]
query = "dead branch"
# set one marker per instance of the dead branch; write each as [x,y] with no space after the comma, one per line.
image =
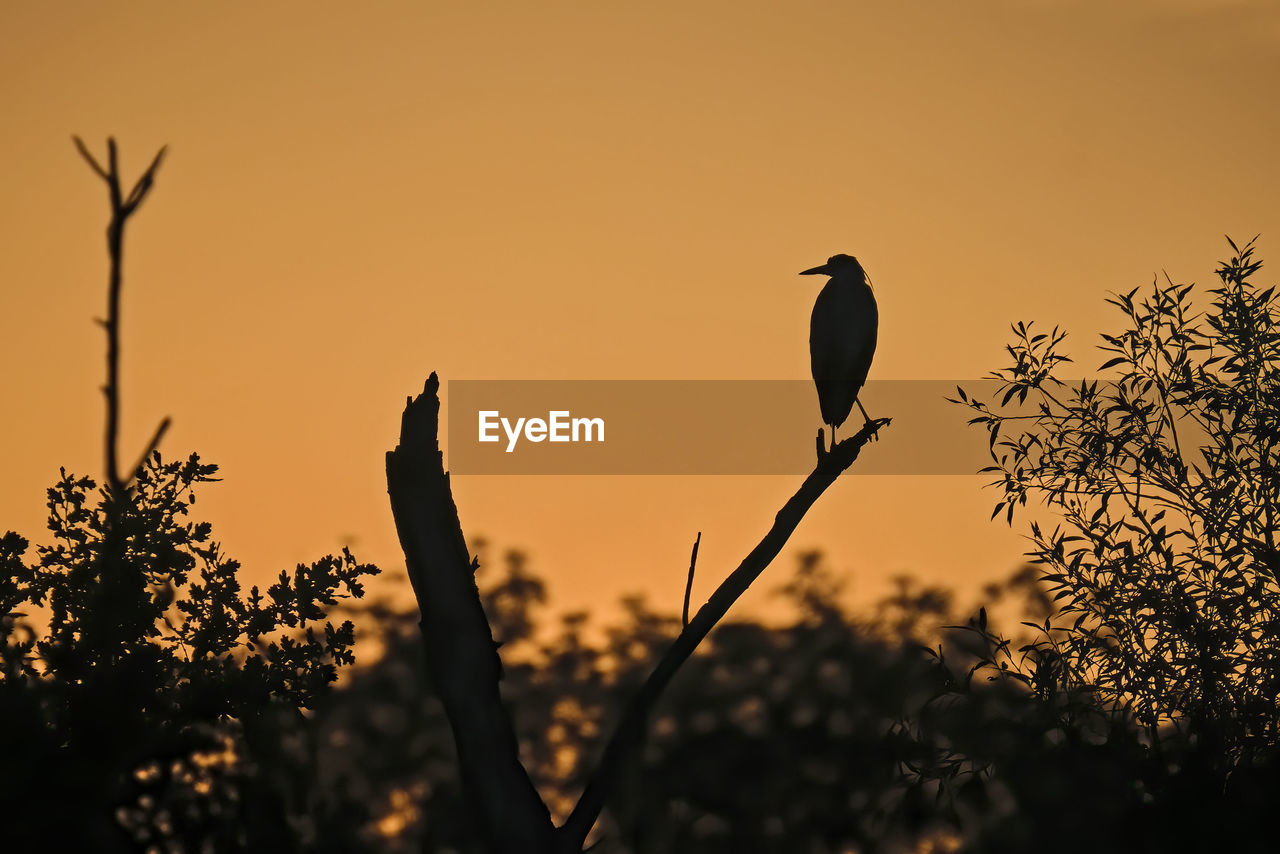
[688,585]
[122,207]
[463,660]
[628,737]
[461,656]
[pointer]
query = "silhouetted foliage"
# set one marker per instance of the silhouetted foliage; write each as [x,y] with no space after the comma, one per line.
[832,732]
[786,738]
[145,703]
[147,706]
[1160,666]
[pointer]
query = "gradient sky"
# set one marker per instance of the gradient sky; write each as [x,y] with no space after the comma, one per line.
[359,194]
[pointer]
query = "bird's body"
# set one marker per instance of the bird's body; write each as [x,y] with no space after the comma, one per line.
[842,338]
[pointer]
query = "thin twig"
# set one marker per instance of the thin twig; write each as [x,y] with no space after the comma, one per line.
[688,585]
[89,158]
[143,186]
[151,446]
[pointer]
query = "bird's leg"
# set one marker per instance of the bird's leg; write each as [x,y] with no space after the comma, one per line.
[865,415]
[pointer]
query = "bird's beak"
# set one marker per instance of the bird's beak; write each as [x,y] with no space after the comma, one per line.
[815,270]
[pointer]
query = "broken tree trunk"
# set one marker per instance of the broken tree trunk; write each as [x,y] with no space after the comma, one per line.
[462,658]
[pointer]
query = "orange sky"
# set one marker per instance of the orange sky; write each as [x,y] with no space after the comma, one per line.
[358,194]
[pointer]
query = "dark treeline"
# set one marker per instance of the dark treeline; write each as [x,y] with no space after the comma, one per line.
[833,731]
[836,731]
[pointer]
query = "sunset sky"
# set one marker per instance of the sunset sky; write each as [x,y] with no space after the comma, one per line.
[359,194]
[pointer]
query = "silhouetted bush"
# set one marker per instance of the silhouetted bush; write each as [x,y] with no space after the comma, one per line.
[143,705]
[1156,679]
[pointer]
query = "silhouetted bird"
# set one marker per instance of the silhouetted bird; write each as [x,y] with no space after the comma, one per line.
[842,338]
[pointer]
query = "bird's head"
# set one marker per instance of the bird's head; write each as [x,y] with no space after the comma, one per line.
[838,265]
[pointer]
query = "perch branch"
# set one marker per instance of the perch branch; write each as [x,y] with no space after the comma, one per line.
[624,745]
[463,662]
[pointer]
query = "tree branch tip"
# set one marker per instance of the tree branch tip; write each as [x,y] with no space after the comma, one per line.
[688,587]
[152,446]
[430,388]
[88,157]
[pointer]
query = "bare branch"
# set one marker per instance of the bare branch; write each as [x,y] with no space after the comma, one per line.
[140,189]
[113,184]
[89,158]
[463,662]
[151,446]
[624,745]
[120,212]
[688,586]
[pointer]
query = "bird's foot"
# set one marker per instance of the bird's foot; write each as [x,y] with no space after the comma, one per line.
[873,425]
